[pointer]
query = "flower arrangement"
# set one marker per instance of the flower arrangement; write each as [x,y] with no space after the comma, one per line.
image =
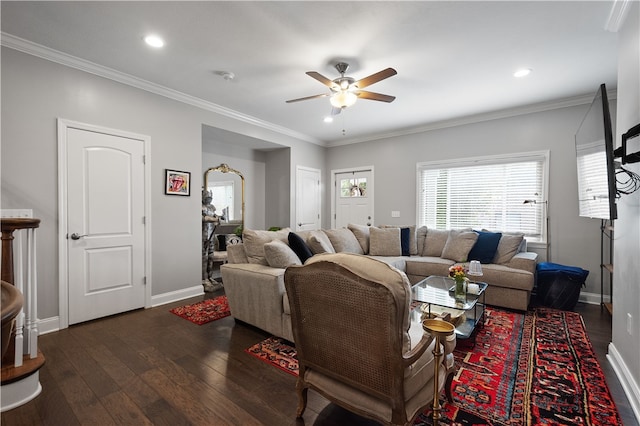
[457,272]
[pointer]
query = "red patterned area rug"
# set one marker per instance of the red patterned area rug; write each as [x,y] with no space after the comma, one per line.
[205,311]
[537,368]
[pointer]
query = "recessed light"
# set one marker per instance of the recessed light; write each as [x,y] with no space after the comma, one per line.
[154,41]
[328,119]
[522,73]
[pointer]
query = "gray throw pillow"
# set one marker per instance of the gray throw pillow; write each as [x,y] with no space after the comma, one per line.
[254,242]
[385,242]
[507,247]
[343,241]
[280,255]
[413,242]
[458,245]
[318,242]
[434,242]
[362,234]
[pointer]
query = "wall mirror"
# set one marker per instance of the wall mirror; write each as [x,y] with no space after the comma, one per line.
[227,187]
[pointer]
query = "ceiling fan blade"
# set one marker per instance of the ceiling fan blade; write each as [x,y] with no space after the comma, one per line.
[374,78]
[306,98]
[363,94]
[321,78]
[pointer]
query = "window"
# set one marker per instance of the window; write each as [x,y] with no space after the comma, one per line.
[501,193]
[355,187]
[222,198]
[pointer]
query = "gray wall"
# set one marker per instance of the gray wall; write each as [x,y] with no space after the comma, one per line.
[35,92]
[626,278]
[574,240]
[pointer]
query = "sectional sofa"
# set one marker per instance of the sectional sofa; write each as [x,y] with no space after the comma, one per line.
[254,275]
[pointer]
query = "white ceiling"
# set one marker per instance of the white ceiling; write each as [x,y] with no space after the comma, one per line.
[454,59]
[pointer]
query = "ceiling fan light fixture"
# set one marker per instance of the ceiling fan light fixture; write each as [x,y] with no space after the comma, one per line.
[343,99]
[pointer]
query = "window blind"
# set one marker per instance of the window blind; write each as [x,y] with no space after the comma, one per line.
[488,193]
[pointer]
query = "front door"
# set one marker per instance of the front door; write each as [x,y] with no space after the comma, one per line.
[308,203]
[353,198]
[105,223]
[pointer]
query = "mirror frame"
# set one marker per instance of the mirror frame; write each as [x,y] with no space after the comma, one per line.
[224,168]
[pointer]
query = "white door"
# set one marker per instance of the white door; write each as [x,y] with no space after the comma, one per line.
[353,198]
[308,203]
[105,187]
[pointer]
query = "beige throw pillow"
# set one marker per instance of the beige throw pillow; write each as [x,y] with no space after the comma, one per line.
[254,242]
[318,242]
[343,241]
[280,255]
[413,242]
[385,242]
[434,242]
[507,247]
[362,234]
[458,245]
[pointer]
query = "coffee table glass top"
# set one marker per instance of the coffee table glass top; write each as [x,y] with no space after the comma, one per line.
[438,290]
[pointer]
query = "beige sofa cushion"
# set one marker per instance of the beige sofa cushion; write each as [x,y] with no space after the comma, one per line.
[458,245]
[507,247]
[413,243]
[280,255]
[361,232]
[385,242]
[344,241]
[434,242]
[254,242]
[319,243]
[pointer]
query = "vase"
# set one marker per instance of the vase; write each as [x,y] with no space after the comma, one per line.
[461,290]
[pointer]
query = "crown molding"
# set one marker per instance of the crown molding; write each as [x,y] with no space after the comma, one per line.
[478,118]
[618,14]
[34,49]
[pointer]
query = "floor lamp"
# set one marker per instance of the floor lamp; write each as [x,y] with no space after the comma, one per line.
[546,229]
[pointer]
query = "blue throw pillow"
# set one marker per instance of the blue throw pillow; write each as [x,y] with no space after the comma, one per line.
[485,247]
[299,247]
[405,238]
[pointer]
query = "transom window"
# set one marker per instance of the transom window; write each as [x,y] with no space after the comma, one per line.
[498,193]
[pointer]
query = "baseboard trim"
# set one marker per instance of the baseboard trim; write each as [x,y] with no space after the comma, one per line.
[48,325]
[175,296]
[592,298]
[630,387]
[52,324]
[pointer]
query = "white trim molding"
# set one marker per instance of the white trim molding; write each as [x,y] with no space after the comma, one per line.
[618,14]
[629,385]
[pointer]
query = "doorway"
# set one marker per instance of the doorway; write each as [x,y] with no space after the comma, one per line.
[104,221]
[352,198]
[308,199]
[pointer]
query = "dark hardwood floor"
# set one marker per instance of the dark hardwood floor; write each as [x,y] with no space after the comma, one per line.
[152,367]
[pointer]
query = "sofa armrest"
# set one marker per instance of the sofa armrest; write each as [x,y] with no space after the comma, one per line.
[524,260]
[236,254]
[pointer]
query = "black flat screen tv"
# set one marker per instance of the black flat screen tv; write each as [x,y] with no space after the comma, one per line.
[595,165]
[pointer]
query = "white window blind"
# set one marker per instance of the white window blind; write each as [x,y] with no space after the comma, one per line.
[487,193]
[593,189]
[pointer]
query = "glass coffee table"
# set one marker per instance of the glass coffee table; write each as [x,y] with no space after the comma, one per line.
[437,297]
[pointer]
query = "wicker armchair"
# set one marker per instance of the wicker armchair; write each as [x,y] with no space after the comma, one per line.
[351,323]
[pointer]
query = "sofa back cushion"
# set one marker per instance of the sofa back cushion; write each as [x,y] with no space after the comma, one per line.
[434,242]
[254,242]
[458,245]
[412,243]
[343,241]
[385,242]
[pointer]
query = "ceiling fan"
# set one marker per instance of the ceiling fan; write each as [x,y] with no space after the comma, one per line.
[345,91]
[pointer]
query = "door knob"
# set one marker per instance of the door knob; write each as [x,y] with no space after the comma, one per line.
[299,224]
[75,236]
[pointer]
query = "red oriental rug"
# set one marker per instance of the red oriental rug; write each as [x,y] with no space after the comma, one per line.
[205,311]
[536,368]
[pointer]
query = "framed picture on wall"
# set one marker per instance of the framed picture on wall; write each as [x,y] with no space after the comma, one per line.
[177,182]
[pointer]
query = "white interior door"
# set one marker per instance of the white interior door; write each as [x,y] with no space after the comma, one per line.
[105,224]
[308,201]
[353,198]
